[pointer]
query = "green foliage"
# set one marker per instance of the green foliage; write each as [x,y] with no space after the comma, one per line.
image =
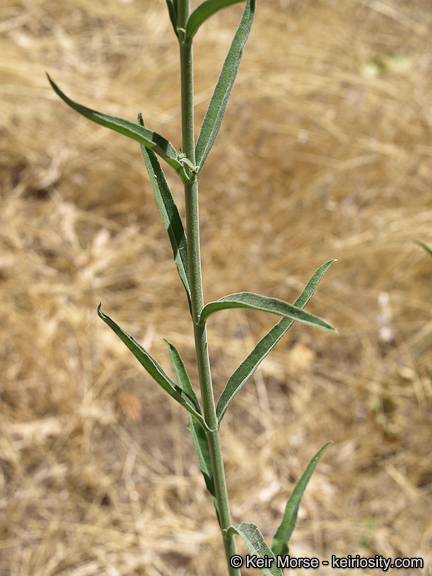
[172,10]
[428,250]
[242,374]
[204,421]
[203,12]
[254,540]
[285,530]
[197,432]
[149,139]
[155,370]
[170,215]
[264,304]
[202,450]
[218,103]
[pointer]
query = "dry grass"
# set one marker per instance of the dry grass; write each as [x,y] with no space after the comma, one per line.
[325,152]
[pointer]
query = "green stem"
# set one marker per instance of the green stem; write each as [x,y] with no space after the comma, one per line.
[197,297]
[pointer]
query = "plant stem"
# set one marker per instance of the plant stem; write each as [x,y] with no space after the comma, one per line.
[197,297]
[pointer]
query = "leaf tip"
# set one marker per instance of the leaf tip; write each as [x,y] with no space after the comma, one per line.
[50,80]
[330,328]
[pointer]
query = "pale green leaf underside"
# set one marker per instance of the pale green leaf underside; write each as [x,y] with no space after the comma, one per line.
[170,215]
[222,91]
[146,137]
[242,374]
[154,369]
[202,12]
[264,304]
[424,246]
[255,543]
[285,530]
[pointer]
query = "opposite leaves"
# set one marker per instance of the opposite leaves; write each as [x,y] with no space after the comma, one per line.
[239,378]
[154,369]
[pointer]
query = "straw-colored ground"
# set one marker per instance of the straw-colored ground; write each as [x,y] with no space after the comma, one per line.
[325,152]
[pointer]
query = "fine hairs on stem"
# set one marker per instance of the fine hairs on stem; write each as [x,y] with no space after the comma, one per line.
[205,418]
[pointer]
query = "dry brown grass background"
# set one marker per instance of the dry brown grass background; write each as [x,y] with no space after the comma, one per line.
[325,152]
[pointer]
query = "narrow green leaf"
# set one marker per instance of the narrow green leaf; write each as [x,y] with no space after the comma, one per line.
[182,377]
[202,12]
[265,304]
[257,546]
[285,530]
[239,378]
[424,246]
[202,450]
[172,9]
[146,137]
[154,369]
[170,215]
[199,436]
[221,94]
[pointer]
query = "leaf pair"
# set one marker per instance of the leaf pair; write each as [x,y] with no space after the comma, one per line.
[177,236]
[182,392]
[253,538]
[184,395]
[242,374]
[213,118]
[290,313]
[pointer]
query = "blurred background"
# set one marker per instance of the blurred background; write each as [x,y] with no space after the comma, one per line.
[325,152]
